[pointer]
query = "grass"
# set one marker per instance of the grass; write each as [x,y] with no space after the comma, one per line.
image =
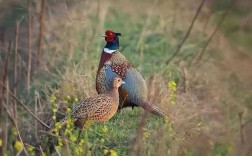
[208,99]
[234,26]
[16,11]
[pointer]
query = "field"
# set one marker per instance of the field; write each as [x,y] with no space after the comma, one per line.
[194,55]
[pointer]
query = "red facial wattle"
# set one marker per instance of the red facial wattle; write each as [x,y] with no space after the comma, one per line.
[110,36]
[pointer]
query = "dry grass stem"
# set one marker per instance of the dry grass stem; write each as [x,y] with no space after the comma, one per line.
[21,104]
[201,53]
[41,29]
[187,33]
[29,48]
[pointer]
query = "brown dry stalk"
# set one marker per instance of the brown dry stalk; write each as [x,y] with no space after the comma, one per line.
[174,16]
[29,48]
[41,151]
[12,119]
[15,70]
[184,79]
[36,98]
[41,28]
[4,78]
[19,136]
[138,143]
[6,67]
[4,134]
[23,105]
[143,31]
[240,115]
[151,86]
[187,33]
[2,35]
[4,131]
[36,110]
[214,32]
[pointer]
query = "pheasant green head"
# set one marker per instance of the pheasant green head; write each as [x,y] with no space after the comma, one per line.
[112,40]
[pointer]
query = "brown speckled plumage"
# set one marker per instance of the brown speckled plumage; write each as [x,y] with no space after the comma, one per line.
[99,108]
[119,64]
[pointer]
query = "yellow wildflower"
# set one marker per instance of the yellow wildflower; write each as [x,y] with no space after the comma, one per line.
[78,150]
[30,148]
[76,99]
[60,142]
[58,148]
[18,145]
[53,98]
[172,85]
[81,142]
[69,121]
[1,142]
[54,117]
[55,105]
[58,125]
[146,134]
[105,151]
[14,131]
[68,97]
[113,153]
[102,141]
[73,138]
[166,119]
[109,152]
[104,129]
[67,131]
[172,89]
[170,130]
[89,153]
[88,123]
[201,123]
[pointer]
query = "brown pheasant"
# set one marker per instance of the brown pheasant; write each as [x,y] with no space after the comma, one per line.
[100,108]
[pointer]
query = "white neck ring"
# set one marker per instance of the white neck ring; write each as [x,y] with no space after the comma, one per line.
[109,51]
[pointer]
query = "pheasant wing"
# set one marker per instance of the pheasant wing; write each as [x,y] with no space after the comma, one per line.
[88,107]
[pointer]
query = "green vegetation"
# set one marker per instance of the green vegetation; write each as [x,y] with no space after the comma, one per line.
[237,29]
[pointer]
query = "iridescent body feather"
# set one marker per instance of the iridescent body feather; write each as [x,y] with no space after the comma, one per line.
[113,63]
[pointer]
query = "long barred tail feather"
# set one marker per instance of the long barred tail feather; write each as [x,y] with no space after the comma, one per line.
[151,108]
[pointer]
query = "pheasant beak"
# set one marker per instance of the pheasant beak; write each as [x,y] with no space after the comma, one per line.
[104,36]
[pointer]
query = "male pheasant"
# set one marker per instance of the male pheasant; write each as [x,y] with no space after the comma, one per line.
[113,63]
[100,108]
